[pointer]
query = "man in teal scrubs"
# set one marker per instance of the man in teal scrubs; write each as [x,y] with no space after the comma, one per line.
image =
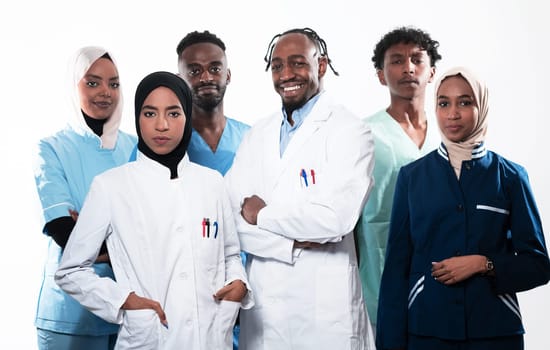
[405,62]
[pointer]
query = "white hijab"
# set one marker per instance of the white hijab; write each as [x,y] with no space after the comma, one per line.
[461,151]
[78,66]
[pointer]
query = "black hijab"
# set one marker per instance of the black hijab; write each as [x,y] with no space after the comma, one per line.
[182,91]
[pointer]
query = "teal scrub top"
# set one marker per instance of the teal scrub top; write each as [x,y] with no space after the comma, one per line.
[393,148]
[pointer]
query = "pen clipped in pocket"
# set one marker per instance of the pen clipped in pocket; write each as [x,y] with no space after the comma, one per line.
[308,178]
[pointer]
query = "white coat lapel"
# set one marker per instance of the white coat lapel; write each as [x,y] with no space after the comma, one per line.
[314,120]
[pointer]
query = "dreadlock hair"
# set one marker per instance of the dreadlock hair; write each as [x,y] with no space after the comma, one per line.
[199,37]
[405,35]
[311,34]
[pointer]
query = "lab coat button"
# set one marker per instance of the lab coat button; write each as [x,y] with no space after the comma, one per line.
[459,207]
[183,275]
[179,228]
[468,166]
[189,323]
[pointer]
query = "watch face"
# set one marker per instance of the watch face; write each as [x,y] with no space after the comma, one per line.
[489,265]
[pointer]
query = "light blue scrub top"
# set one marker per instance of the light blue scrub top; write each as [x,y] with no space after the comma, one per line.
[199,152]
[65,166]
[393,148]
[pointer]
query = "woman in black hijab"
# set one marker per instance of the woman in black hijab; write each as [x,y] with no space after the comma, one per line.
[183,93]
[170,233]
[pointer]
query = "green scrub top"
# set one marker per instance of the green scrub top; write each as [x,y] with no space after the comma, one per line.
[393,148]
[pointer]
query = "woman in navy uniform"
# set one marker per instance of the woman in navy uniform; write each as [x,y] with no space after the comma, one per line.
[465,237]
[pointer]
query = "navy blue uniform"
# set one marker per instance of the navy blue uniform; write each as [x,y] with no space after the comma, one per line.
[490,211]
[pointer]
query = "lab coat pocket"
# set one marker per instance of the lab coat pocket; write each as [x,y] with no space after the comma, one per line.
[141,329]
[333,304]
[225,319]
[309,179]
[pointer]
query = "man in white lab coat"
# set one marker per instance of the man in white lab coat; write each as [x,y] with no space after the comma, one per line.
[298,183]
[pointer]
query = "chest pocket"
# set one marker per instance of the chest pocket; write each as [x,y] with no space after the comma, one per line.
[494,214]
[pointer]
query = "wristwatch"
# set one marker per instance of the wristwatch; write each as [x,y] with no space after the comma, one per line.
[489,266]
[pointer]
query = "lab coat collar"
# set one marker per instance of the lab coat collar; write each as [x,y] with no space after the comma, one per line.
[159,169]
[320,112]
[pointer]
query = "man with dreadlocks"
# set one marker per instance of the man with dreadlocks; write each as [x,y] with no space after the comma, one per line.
[298,183]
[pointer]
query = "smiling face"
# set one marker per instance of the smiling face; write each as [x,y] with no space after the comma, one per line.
[457,111]
[406,70]
[296,70]
[162,121]
[98,90]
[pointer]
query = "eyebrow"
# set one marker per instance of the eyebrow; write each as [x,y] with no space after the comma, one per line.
[148,107]
[461,96]
[291,57]
[156,108]
[93,76]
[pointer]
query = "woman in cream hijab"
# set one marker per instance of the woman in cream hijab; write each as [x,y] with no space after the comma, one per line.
[465,237]
[65,164]
[460,149]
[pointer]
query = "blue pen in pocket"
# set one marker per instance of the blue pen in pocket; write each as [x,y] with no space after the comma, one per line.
[303,175]
[215,229]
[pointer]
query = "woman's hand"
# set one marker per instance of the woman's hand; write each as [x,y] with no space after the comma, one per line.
[458,268]
[135,302]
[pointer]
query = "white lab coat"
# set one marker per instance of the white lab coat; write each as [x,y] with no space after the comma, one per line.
[304,298]
[154,232]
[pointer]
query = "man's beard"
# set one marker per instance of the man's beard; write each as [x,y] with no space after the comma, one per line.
[291,106]
[208,102]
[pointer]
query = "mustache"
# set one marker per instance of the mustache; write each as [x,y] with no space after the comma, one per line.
[201,85]
[407,80]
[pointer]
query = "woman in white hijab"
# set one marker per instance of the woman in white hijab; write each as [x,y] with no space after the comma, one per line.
[65,165]
[465,237]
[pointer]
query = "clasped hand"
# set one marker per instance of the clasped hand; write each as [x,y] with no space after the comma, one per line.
[458,268]
[250,208]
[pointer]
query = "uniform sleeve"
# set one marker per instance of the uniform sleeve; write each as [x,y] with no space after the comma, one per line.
[51,183]
[234,269]
[527,266]
[334,211]
[75,275]
[393,300]
[240,184]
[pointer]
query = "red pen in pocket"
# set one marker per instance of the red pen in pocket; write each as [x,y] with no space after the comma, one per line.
[312,177]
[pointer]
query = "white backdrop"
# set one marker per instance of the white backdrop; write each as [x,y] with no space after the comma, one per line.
[505,41]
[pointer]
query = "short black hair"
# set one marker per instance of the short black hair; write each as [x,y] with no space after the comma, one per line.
[311,34]
[199,37]
[405,35]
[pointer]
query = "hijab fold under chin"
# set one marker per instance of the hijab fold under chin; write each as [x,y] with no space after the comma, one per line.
[183,93]
[462,151]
